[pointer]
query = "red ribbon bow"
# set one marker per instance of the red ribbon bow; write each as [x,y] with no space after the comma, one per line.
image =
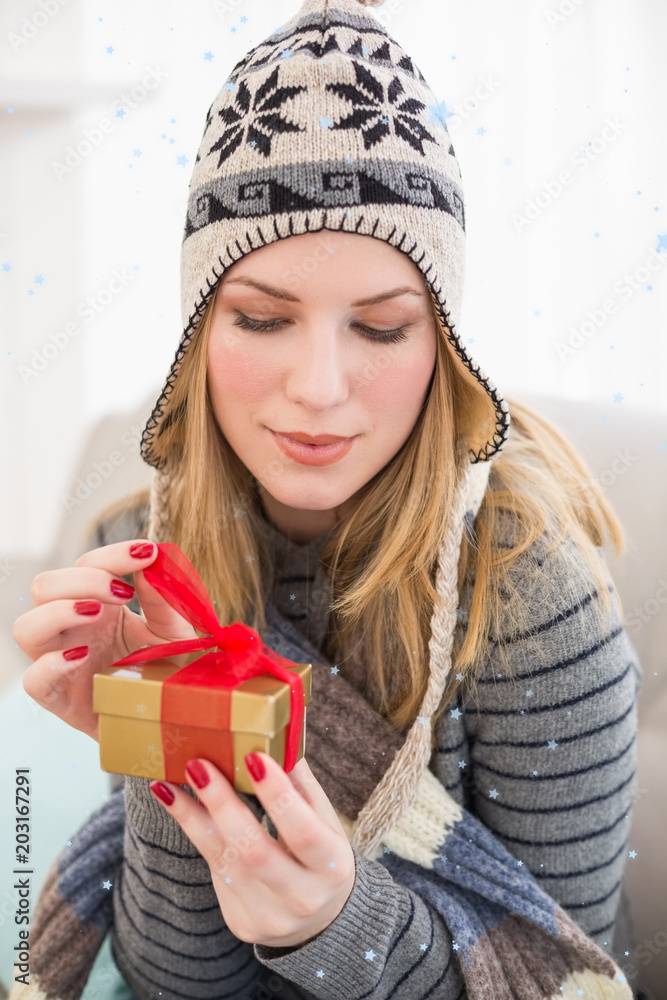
[241,652]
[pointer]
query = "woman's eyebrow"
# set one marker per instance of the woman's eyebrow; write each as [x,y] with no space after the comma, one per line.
[279,293]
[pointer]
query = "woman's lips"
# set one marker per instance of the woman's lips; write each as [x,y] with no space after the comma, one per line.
[313,454]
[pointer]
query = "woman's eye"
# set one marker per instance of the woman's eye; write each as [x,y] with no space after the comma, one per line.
[264,326]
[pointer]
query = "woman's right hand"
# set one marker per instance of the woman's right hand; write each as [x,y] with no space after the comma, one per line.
[59,622]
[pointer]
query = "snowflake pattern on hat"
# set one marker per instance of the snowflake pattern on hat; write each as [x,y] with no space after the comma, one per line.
[267,121]
[382,110]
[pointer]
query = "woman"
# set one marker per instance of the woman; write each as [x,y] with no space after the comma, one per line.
[460,823]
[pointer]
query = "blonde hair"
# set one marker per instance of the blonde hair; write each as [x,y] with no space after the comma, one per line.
[383,555]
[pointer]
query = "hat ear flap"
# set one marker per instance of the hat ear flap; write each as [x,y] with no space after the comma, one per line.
[474,410]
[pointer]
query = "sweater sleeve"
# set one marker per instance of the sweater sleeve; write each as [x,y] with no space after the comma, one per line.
[552,731]
[386,941]
[168,930]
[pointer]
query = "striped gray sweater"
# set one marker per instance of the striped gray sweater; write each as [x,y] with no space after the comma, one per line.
[546,762]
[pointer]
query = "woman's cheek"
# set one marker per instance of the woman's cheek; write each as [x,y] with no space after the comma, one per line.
[395,385]
[240,373]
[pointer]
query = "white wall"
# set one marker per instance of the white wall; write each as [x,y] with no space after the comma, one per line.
[551,87]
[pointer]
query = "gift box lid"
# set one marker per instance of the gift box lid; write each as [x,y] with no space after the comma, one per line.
[258,705]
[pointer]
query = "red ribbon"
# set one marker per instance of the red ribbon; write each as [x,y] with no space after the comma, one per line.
[241,652]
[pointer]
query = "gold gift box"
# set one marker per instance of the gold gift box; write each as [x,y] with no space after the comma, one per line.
[135,740]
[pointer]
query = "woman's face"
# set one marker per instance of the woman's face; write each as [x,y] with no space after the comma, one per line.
[319,361]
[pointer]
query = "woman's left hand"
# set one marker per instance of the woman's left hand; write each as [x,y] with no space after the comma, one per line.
[278,893]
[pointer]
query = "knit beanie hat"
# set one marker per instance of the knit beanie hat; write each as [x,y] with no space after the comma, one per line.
[329,125]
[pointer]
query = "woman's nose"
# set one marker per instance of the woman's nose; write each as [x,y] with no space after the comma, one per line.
[320,369]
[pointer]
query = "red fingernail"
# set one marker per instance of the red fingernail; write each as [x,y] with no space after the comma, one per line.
[121,589]
[197,772]
[87,607]
[163,793]
[255,765]
[76,654]
[142,550]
